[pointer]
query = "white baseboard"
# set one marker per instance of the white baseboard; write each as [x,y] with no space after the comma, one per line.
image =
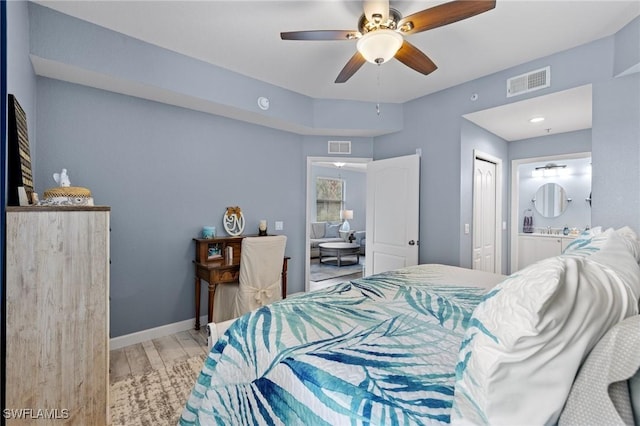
[153,333]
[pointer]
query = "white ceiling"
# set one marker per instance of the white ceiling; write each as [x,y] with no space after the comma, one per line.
[244,36]
[564,111]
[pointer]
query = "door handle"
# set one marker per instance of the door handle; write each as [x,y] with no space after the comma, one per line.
[412,243]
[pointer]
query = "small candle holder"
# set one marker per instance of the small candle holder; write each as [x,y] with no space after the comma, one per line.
[262,228]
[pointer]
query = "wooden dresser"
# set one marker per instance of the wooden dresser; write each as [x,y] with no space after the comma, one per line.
[57,316]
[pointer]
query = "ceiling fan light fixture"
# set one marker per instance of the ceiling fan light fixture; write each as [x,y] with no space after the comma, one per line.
[376,7]
[379,46]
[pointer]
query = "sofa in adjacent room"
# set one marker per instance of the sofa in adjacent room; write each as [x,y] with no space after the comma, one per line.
[360,238]
[323,232]
[329,232]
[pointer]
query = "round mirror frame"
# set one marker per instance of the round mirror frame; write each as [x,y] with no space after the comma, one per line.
[551,200]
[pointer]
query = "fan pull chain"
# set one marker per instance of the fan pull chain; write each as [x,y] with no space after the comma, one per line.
[379,89]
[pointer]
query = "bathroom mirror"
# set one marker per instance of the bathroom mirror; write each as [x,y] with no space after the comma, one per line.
[551,200]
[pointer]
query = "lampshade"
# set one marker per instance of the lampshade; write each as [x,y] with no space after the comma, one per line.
[346,214]
[380,45]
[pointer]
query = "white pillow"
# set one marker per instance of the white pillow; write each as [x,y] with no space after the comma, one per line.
[527,339]
[588,242]
[612,248]
[594,240]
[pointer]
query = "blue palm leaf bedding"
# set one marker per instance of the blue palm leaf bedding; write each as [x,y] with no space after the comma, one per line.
[378,350]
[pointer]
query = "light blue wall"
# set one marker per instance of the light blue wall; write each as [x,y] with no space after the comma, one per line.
[548,146]
[577,185]
[627,54]
[166,170]
[563,143]
[473,138]
[433,123]
[616,152]
[21,79]
[117,61]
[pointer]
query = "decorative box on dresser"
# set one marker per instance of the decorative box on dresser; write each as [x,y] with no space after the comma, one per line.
[57,315]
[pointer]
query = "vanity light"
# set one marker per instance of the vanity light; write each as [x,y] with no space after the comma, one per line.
[536,120]
[550,170]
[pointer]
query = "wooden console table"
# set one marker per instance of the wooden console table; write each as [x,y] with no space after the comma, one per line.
[212,266]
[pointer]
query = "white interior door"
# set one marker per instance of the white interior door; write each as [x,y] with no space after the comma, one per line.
[484,215]
[393,190]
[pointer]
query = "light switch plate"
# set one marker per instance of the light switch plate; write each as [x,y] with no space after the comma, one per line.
[279,225]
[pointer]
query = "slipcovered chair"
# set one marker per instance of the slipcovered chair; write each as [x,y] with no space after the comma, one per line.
[260,278]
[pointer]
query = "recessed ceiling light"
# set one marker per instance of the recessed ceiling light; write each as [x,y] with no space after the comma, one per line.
[536,120]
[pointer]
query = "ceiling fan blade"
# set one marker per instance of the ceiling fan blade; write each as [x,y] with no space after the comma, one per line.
[320,35]
[444,14]
[350,69]
[413,57]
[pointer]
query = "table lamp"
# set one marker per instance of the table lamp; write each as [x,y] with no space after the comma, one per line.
[345,215]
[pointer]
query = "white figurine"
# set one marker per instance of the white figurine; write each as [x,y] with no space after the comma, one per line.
[62,179]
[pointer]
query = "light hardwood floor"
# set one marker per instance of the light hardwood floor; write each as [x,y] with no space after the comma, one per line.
[155,354]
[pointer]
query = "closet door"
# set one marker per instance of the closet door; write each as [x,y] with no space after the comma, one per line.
[484,216]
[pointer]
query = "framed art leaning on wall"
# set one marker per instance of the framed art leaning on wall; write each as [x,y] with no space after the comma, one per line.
[19,175]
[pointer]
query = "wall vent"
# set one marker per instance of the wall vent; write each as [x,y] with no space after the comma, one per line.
[534,80]
[339,147]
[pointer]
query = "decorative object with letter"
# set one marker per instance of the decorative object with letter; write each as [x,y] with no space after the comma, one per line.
[233,221]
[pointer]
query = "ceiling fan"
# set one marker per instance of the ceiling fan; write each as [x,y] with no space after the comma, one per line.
[381,32]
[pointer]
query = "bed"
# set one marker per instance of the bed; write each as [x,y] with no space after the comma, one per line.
[428,344]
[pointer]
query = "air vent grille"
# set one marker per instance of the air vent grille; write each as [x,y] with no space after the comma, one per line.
[534,80]
[339,147]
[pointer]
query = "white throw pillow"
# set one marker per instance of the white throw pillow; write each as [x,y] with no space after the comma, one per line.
[527,339]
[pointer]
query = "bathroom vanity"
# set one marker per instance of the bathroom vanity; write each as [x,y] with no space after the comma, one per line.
[534,247]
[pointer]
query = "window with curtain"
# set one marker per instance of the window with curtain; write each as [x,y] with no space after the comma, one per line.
[329,199]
